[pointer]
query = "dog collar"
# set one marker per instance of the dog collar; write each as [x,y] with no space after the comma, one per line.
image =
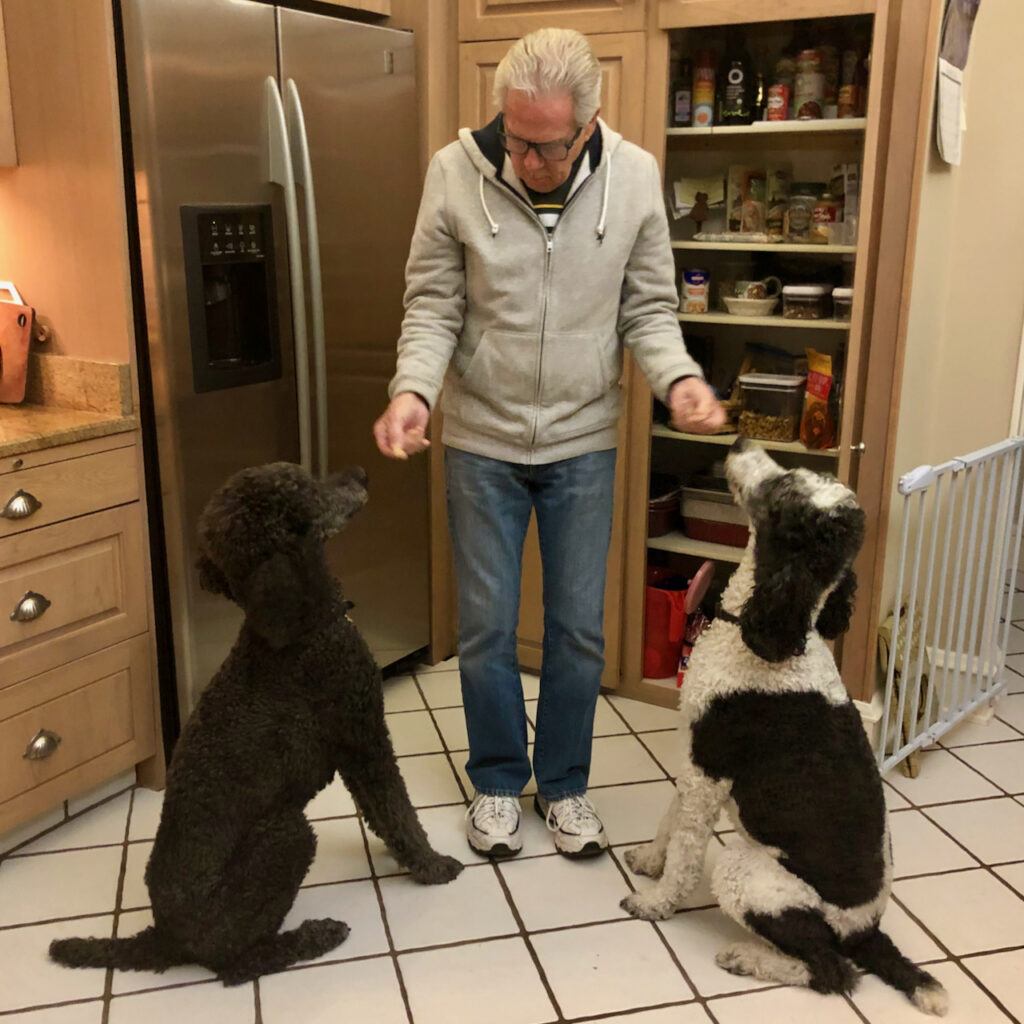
[721,613]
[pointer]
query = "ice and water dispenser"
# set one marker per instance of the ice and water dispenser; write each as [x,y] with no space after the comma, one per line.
[232,300]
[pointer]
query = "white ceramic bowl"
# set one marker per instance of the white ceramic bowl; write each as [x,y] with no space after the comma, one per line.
[751,307]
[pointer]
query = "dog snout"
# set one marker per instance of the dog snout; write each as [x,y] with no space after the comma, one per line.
[747,466]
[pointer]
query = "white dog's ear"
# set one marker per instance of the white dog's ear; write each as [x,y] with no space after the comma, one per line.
[776,618]
[834,617]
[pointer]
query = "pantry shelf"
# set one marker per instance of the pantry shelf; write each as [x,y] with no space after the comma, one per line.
[779,247]
[683,545]
[837,125]
[762,321]
[727,440]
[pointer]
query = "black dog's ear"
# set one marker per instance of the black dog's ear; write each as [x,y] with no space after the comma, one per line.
[278,598]
[834,617]
[776,618]
[211,578]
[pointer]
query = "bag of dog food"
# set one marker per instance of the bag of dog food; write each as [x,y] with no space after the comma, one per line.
[817,426]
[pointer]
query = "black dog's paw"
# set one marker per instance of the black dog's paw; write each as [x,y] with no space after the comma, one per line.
[438,871]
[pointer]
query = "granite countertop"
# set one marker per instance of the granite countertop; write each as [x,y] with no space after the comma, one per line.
[67,400]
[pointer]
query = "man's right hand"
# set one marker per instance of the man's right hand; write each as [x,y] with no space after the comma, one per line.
[401,431]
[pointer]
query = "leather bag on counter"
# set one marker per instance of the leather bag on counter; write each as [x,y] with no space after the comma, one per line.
[15,336]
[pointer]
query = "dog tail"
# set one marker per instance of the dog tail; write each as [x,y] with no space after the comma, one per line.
[146,951]
[876,953]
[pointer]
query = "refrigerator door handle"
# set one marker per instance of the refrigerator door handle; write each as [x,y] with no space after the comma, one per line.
[303,172]
[280,172]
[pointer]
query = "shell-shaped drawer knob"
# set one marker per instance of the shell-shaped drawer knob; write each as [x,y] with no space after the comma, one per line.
[30,607]
[41,746]
[21,505]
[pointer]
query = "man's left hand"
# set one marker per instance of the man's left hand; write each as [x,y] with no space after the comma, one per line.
[694,407]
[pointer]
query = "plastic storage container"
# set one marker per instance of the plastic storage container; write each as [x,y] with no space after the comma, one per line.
[806,301]
[712,515]
[771,406]
[842,303]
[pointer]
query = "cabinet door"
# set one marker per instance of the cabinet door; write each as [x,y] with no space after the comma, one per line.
[509,19]
[622,58]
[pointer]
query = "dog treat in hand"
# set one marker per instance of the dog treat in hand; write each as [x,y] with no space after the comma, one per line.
[817,427]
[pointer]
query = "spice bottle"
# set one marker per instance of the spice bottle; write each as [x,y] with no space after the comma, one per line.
[760,98]
[780,93]
[809,85]
[803,196]
[704,89]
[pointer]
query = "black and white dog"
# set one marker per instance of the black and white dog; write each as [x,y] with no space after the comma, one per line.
[769,733]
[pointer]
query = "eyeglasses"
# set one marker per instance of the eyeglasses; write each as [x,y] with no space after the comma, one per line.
[552,151]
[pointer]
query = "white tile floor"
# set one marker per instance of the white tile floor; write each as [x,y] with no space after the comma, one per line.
[536,939]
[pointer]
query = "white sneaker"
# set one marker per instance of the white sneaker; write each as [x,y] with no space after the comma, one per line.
[492,825]
[576,827]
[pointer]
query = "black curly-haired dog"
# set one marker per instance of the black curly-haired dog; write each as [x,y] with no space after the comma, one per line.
[298,698]
[768,732]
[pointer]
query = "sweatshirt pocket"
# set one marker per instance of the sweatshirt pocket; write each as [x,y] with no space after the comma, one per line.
[579,377]
[499,384]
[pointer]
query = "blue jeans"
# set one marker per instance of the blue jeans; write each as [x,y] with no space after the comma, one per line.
[489,505]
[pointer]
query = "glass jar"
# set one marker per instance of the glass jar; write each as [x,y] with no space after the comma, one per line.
[805,301]
[827,218]
[809,86]
[803,196]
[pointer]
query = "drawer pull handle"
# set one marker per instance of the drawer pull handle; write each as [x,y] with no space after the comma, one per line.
[30,607]
[42,745]
[21,505]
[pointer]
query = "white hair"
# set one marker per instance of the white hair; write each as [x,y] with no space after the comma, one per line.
[552,62]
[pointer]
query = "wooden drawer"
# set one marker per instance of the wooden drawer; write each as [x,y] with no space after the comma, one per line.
[90,570]
[69,487]
[101,708]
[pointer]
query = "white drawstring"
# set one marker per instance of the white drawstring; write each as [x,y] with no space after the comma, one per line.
[604,202]
[487,213]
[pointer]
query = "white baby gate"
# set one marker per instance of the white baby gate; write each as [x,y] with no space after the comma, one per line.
[963,520]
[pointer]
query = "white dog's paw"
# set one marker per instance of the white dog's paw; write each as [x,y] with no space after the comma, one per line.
[735,959]
[643,860]
[643,906]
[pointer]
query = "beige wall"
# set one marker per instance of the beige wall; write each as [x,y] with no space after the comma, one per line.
[967,305]
[963,329]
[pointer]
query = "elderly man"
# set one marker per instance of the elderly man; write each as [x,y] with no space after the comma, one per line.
[541,249]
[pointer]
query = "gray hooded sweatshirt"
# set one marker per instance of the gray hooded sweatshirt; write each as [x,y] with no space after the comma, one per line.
[525,328]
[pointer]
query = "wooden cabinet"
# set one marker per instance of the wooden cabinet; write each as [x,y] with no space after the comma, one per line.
[382,7]
[810,149]
[622,56]
[510,19]
[75,648]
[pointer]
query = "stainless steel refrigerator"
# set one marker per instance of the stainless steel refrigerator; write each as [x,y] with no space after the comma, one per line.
[276,176]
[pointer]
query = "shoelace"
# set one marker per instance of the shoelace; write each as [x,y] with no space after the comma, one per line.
[574,810]
[493,810]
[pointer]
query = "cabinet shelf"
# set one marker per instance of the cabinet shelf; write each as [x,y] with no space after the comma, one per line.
[681,544]
[726,440]
[835,125]
[762,321]
[779,247]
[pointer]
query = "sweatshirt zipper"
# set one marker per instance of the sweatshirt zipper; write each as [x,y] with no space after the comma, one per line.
[549,241]
[550,244]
